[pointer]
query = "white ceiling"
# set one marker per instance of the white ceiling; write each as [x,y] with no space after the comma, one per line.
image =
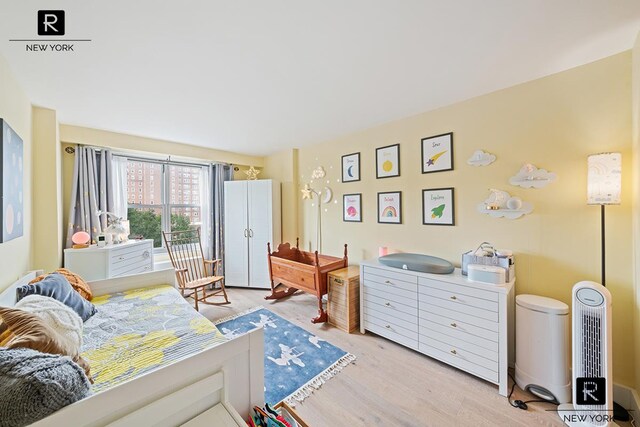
[259,76]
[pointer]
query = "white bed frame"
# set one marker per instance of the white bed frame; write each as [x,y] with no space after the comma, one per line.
[216,386]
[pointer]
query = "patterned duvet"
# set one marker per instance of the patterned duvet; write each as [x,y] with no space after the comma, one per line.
[137,331]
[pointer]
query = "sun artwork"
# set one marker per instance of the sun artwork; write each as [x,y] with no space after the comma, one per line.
[387,166]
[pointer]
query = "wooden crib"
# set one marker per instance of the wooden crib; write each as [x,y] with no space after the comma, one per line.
[304,271]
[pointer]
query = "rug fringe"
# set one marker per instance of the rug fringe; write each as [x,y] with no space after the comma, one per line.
[234,316]
[315,383]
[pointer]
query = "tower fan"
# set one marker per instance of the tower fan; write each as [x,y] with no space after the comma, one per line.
[592,361]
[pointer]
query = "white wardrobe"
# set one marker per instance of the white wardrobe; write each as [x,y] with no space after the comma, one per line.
[251,220]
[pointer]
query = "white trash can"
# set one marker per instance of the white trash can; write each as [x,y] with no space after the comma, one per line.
[543,347]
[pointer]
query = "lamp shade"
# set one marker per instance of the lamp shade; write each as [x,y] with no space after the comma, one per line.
[604,179]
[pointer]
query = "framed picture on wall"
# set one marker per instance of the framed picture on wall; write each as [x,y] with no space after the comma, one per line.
[437,153]
[390,207]
[438,206]
[351,167]
[11,184]
[388,161]
[352,207]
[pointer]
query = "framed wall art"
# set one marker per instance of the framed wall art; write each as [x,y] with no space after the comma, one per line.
[351,167]
[438,206]
[11,184]
[437,153]
[390,207]
[388,161]
[352,207]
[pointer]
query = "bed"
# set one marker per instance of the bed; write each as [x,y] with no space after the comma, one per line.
[156,361]
[301,270]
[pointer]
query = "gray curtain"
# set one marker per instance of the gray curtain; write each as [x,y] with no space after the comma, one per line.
[92,191]
[218,174]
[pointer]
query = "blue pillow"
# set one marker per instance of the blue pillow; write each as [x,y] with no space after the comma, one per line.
[57,287]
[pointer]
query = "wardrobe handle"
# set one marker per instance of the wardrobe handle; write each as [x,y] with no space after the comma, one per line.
[454,325]
[387,304]
[250,233]
[453,297]
[245,232]
[388,282]
[454,352]
[388,326]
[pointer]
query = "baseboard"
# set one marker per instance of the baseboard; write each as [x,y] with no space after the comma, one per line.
[628,398]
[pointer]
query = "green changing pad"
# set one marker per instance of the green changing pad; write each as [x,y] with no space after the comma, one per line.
[418,262]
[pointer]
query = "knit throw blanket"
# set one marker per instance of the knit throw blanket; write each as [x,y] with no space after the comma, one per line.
[34,385]
[61,318]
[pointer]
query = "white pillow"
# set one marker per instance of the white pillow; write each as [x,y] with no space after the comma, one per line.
[61,318]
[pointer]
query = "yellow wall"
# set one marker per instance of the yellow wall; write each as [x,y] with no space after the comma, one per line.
[554,123]
[283,167]
[636,197]
[15,108]
[47,195]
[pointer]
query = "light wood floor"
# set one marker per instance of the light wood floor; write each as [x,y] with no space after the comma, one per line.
[390,385]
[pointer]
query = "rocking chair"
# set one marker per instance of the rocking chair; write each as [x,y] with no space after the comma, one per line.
[194,273]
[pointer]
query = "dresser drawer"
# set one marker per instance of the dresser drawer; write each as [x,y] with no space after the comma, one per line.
[391,334]
[381,291]
[392,314]
[457,304]
[456,339]
[131,267]
[395,280]
[457,289]
[460,360]
[126,251]
[463,322]
[459,298]
[368,297]
[394,275]
[407,329]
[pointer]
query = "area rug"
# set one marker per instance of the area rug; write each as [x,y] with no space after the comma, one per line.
[296,362]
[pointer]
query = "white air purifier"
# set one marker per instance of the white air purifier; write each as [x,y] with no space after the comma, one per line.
[592,377]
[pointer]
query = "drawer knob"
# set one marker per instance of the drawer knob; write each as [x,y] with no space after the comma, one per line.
[388,326]
[454,352]
[145,254]
[388,282]
[120,258]
[454,325]
[453,297]
[388,304]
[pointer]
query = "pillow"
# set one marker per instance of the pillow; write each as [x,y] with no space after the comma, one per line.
[35,385]
[57,286]
[30,331]
[75,281]
[58,316]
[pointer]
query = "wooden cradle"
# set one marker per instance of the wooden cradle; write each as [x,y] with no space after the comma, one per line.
[301,270]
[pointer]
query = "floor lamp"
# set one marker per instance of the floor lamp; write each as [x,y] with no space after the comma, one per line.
[604,183]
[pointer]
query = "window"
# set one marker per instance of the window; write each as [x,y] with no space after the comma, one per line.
[162,209]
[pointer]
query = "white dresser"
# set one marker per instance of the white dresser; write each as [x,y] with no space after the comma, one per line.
[465,324]
[94,263]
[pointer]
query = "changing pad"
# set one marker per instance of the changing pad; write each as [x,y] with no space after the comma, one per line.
[418,262]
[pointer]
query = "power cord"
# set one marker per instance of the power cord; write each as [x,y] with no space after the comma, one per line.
[523,404]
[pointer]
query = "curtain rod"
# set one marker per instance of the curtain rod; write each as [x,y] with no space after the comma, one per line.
[71,150]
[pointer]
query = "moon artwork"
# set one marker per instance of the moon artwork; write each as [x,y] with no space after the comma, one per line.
[11,188]
[351,167]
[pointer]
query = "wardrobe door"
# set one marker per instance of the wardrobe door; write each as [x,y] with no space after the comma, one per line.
[260,231]
[236,232]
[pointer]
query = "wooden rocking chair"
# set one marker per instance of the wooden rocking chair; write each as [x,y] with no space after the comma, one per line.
[194,273]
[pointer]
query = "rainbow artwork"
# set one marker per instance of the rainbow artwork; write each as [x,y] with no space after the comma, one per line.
[390,212]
